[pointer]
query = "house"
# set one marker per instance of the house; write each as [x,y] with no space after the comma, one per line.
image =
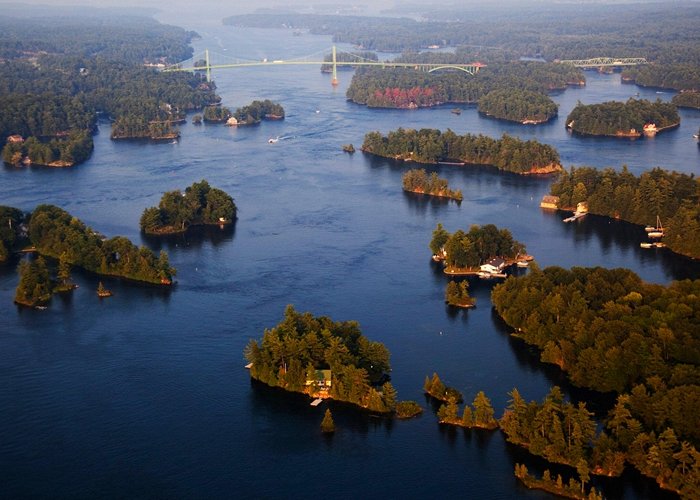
[549,201]
[582,207]
[321,381]
[650,129]
[15,139]
[493,266]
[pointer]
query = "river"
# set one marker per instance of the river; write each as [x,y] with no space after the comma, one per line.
[145,395]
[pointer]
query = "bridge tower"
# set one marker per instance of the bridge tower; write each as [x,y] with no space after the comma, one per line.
[334,79]
[206,60]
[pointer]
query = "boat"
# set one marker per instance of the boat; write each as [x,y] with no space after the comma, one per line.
[646,245]
[658,231]
[649,229]
[696,136]
[660,244]
[456,111]
[522,263]
[273,140]
[484,275]
[102,291]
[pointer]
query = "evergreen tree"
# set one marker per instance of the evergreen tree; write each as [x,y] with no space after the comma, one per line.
[327,424]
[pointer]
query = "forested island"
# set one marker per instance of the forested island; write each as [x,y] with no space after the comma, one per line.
[666,76]
[10,230]
[435,388]
[457,294]
[623,119]
[519,88]
[464,252]
[200,204]
[672,196]
[522,106]
[433,146]
[55,233]
[687,99]
[477,416]
[58,75]
[36,286]
[256,111]
[418,181]
[323,358]
[611,332]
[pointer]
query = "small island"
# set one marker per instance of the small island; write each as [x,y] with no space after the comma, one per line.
[433,146]
[255,112]
[477,416]
[200,204]
[418,181]
[457,295]
[348,148]
[521,106]
[324,359]
[216,114]
[102,292]
[36,286]
[435,388]
[573,489]
[484,251]
[630,119]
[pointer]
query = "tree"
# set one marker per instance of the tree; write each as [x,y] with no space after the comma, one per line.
[583,472]
[389,396]
[327,424]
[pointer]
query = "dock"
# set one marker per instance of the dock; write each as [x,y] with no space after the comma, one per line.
[249,366]
[577,215]
[316,402]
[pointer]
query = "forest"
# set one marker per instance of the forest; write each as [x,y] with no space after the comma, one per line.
[10,221]
[418,181]
[550,30]
[433,146]
[667,76]
[257,111]
[523,106]
[57,234]
[672,196]
[55,82]
[200,204]
[469,250]
[36,286]
[687,99]
[611,332]
[627,119]
[404,88]
[291,355]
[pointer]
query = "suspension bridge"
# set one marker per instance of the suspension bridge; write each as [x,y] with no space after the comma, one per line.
[604,62]
[209,61]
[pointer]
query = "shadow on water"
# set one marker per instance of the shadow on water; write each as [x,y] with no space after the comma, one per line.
[194,237]
[279,404]
[528,358]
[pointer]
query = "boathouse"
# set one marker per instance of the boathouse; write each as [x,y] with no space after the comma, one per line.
[549,201]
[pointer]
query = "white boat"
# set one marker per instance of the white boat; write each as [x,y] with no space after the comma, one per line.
[522,263]
[273,140]
[658,231]
[649,229]
[646,245]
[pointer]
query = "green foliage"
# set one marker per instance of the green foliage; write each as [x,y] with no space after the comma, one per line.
[479,416]
[74,148]
[431,146]
[616,118]
[515,84]
[327,424]
[668,76]
[257,111]
[408,409]
[199,204]
[481,243]
[457,294]
[216,114]
[56,234]
[34,286]
[301,344]
[556,430]
[518,105]
[417,181]
[687,99]
[440,237]
[435,388]
[672,196]
[10,220]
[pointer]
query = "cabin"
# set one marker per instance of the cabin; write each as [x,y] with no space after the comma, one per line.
[582,207]
[322,381]
[232,122]
[549,201]
[15,139]
[650,129]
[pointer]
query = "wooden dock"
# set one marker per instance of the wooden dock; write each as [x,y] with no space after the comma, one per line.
[577,215]
[316,402]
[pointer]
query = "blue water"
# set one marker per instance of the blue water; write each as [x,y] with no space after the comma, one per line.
[145,395]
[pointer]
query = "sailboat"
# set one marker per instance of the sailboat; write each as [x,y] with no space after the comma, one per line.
[658,231]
